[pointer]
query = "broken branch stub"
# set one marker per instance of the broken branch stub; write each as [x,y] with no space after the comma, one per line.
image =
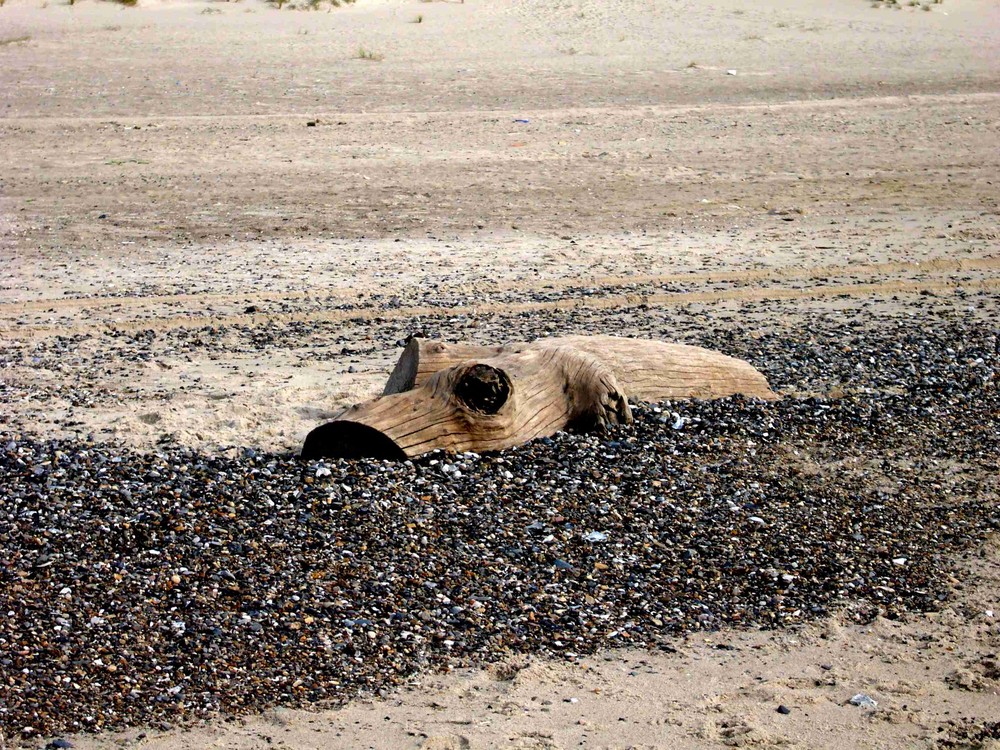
[421,358]
[462,397]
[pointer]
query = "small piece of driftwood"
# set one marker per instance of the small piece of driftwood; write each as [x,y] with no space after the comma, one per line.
[462,397]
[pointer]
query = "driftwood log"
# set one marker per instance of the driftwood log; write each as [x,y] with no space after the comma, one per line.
[462,397]
[650,370]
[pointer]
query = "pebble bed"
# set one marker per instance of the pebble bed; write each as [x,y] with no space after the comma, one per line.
[163,587]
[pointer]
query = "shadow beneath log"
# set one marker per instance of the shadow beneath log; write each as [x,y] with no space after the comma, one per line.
[344,439]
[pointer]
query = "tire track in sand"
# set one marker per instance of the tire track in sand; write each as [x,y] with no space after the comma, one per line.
[936,265]
[660,299]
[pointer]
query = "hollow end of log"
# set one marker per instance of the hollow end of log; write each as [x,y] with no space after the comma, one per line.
[346,439]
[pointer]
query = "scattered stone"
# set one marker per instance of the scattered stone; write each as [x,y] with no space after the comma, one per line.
[151,588]
[863,701]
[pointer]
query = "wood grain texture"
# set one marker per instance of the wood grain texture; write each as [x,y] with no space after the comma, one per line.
[550,389]
[463,397]
[647,370]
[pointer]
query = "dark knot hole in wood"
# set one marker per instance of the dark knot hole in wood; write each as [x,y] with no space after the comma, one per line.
[483,389]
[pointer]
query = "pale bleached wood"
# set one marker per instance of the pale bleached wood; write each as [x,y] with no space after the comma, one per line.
[422,358]
[647,370]
[463,397]
[549,389]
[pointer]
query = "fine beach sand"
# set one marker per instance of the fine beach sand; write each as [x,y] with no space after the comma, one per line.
[180,167]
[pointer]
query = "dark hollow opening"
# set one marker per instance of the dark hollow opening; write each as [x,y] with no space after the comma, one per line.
[350,440]
[484,389]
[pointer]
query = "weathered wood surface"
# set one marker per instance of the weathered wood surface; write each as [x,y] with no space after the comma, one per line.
[463,397]
[493,403]
[647,370]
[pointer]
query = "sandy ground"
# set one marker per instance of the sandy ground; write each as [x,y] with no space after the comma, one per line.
[175,167]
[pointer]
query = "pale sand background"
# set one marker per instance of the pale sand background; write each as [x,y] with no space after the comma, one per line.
[159,175]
